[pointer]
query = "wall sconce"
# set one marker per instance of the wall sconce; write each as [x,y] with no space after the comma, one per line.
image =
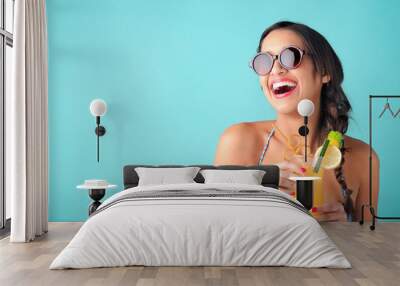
[305,108]
[98,108]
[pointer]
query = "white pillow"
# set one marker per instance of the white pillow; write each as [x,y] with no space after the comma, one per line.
[249,177]
[162,176]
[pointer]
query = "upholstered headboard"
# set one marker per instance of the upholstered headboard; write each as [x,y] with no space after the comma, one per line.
[270,179]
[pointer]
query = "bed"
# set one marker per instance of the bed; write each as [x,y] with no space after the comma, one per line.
[201,224]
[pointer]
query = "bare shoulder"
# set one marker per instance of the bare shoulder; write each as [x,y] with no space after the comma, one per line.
[356,164]
[240,143]
[358,148]
[244,132]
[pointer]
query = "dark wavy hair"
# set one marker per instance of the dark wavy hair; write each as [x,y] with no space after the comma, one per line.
[335,107]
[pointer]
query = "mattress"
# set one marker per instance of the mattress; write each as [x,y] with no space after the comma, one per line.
[201,225]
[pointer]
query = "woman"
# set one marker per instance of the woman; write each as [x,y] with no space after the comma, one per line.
[295,62]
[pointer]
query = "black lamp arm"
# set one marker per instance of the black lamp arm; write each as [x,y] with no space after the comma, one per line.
[305,138]
[100,131]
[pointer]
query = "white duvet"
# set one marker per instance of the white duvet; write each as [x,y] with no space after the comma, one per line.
[200,231]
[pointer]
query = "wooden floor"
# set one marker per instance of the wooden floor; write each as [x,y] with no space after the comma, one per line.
[375,257]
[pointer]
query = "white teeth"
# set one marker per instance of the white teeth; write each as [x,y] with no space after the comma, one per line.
[277,85]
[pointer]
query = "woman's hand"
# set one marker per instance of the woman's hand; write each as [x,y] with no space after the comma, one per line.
[333,211]
[288,169]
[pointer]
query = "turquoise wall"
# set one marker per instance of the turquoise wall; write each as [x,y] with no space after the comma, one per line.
[174,75]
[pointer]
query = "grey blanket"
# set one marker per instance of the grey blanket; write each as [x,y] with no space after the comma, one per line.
[205,193]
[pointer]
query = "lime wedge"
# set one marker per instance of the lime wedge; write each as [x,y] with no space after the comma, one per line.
[335,138]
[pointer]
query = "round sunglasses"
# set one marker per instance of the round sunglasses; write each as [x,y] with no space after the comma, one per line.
[289,58]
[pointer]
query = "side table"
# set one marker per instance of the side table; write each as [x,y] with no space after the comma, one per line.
[97,190]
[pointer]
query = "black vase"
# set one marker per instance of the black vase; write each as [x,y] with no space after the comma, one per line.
[96,195]
[304,193]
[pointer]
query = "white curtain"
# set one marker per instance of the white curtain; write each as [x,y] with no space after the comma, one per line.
[26,123]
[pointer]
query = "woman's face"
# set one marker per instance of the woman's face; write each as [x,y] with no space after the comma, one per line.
[307,82]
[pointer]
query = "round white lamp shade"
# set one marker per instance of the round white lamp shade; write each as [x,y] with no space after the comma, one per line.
[305,107]
[98,107]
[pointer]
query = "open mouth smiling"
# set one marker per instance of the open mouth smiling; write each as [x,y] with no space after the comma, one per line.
[283,88]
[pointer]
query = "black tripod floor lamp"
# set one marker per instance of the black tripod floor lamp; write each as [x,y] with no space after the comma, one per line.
[370,206]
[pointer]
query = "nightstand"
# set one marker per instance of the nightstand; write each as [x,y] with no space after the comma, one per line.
[97,190]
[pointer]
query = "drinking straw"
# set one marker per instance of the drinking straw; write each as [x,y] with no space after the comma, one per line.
[321,156]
